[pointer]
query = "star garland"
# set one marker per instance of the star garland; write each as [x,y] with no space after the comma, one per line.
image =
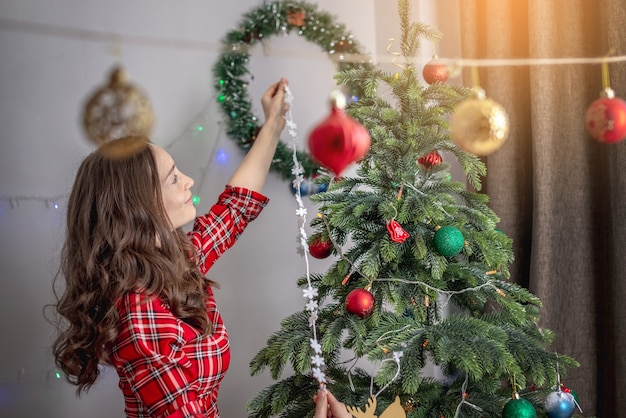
[310,293]
[231,75]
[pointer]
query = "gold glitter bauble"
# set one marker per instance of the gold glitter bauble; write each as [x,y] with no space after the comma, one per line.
[409,405]
[479,125]
[117,110]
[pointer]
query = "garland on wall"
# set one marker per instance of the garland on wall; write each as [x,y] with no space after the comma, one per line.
[232,75]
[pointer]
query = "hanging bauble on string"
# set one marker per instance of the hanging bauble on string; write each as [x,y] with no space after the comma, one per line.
[479,125]
[559,404]
[320,187]
[304,187]
[435,71]
[448,241]
[319,248]
[360,302]
[308,186]
[430,160]
[396,232]
[117,110]
[568,390]
[519,408]
[339,140]
[606,118]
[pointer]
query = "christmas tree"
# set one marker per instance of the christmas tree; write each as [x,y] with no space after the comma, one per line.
[411,242]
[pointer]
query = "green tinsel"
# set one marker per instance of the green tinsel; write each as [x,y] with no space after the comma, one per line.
[231,73]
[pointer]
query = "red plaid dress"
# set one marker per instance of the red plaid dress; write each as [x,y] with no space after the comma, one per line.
[166,367]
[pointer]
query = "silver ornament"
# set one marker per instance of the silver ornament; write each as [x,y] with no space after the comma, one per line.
[559,405]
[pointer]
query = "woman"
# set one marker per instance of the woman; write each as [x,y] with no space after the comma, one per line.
[136,296]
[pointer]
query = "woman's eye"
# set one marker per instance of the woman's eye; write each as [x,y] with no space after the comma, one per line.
[175,179]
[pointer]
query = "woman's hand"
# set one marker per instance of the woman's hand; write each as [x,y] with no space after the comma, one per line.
[252,171]
[327,406]
[274,106]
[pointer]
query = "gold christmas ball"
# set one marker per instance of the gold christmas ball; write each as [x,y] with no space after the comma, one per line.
[479,125]
[117,110]
[409,405]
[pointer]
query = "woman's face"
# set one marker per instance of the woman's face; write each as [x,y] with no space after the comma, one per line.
[175,189]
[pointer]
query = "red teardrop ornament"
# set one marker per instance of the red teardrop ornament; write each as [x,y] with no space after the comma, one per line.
[339,140]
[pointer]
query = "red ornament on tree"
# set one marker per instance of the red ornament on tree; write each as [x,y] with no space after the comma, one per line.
[360,302]
[435,71]
[339,140]
[320,249]
[430,160]
[396,232]
[606,118]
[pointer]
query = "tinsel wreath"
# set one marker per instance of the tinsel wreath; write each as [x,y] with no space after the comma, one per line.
[231,75]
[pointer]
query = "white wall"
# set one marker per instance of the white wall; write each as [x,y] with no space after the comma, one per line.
[46,73]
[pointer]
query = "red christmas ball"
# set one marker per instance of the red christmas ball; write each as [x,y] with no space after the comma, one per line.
[338,140]
[435,71]
[360,302]
[430,160]
[606,119]
[320,249]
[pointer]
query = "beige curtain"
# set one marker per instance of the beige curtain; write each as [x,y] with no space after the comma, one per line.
[559,194]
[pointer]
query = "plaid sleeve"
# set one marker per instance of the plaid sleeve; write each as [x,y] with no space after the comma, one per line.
[150,355]
[218,230]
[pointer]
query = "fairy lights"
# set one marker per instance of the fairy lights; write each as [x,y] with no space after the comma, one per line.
[194,129]
[50,202]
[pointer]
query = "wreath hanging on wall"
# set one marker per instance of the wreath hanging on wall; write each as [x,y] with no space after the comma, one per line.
[232,76]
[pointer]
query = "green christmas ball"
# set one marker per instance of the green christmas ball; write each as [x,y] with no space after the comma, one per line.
[449,241]
[519,408]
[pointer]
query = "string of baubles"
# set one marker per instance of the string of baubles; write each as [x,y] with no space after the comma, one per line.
[606,118]
[480,125]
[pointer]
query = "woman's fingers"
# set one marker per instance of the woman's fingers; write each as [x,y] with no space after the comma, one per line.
[321,405]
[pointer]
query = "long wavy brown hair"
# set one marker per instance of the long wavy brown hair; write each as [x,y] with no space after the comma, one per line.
[118,239]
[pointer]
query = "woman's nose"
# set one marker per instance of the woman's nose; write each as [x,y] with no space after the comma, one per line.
[190,182]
